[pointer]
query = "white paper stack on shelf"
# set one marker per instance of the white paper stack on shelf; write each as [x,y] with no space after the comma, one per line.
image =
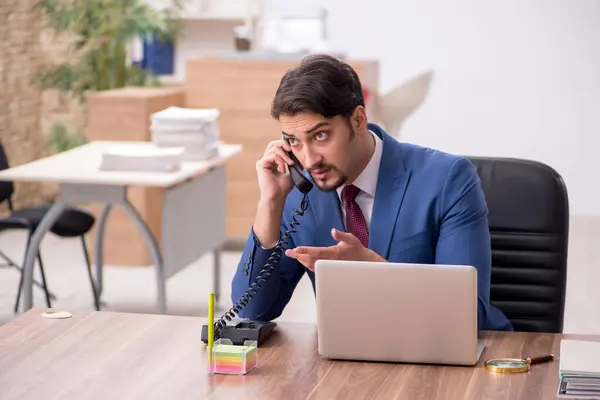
[142,158]
[194,129]
[579,370]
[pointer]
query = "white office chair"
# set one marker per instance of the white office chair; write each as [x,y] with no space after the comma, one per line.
[399,103]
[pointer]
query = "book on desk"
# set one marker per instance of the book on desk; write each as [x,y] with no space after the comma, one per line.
[579,375]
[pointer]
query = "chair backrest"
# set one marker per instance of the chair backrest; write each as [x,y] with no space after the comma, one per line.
[7,188]
[395,106]
[529,224]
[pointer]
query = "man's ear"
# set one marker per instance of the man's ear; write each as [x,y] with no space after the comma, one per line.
[359,119]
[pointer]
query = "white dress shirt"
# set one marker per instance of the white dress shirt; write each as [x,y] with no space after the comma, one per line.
[367,183]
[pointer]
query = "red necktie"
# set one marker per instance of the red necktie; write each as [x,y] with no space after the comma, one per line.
[355,220]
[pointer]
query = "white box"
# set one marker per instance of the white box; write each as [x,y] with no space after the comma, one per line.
[151,159]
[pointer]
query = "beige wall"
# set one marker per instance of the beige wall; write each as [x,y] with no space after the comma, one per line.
[26,114]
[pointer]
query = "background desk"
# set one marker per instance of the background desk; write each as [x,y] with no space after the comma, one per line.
[104,355]
[193,207]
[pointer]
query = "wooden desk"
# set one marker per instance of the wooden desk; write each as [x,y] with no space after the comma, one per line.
[192,208]
[105,355]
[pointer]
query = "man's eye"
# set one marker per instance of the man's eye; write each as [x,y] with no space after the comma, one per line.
[321,135]
[292,142]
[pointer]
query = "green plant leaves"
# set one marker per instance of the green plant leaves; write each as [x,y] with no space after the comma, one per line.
[61,140]
[100,31]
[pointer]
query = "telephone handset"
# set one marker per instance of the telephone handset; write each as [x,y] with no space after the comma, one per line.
[259,331]
[300,181]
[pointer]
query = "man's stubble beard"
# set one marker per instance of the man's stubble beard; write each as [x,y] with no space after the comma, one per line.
[331,187]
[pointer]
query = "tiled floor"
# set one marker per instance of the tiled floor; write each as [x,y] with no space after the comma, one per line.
[133,289]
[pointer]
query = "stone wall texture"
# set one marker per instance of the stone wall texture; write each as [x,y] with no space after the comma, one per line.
[58,107]
[20,99]
[27,113]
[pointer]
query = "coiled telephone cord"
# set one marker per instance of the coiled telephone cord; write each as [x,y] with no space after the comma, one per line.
[264,274]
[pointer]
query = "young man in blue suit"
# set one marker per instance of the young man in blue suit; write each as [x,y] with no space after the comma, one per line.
[375,199]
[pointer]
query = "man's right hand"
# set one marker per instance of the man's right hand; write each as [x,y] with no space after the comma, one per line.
[275,184]
[273,175]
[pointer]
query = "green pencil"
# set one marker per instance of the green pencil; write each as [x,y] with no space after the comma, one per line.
[211,327]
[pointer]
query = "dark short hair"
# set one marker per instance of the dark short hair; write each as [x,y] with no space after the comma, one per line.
[321,84]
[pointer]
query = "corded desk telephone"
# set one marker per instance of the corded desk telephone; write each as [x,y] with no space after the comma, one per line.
[229,326]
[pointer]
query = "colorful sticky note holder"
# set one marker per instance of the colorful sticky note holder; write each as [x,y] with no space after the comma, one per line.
[228,358]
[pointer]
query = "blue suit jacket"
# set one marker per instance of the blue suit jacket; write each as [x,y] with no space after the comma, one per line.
[429,208]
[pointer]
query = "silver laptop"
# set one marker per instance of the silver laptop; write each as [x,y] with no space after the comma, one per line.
[392,312]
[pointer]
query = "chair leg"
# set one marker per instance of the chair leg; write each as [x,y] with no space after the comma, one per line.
[45,287]
[89,270]
[48,302]
[13,264]
[19,292]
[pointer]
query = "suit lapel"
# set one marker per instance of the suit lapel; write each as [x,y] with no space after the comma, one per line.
[391,186]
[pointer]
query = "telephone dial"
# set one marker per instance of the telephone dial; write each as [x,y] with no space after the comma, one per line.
[229,326]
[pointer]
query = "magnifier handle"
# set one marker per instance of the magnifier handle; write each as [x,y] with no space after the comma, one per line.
[538,360]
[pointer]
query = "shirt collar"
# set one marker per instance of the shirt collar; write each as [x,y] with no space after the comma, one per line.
[367,180]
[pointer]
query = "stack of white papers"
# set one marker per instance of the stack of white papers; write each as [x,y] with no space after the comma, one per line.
[142,159]
[579,370]
[194,129]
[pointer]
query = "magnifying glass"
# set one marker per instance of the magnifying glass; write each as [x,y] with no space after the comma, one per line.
[514,365]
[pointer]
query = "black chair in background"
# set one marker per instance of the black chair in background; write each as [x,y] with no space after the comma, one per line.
[72,223]
[529,224]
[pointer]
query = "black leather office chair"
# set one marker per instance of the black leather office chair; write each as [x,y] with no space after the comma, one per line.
[72,223]
[529,224]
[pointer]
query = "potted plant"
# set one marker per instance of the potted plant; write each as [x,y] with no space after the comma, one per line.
[100,32]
